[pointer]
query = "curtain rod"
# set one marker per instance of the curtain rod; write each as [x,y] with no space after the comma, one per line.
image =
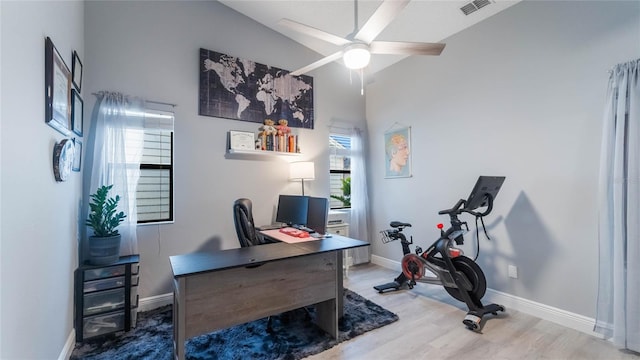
[340,127]
[161,103]
[151,101]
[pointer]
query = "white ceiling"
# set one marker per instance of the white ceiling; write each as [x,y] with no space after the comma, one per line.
[420,21]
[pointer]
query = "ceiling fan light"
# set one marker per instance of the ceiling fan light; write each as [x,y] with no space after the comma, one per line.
[356,56]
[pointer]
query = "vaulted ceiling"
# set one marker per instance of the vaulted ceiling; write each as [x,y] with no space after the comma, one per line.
[421,20]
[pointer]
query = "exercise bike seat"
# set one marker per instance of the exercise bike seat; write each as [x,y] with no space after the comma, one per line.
[397,224]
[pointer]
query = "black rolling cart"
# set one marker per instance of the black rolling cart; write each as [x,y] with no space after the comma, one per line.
[106,297]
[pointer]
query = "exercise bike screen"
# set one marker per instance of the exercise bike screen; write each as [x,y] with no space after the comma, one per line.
[485,185]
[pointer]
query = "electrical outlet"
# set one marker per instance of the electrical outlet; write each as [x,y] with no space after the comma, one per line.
[513,271]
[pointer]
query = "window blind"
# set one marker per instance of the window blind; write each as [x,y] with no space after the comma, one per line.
[154,193]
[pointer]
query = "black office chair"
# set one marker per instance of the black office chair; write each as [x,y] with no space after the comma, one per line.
[245,227]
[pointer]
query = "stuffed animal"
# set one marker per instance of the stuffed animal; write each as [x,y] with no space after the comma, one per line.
[265,134]
[282,127]
[268,128]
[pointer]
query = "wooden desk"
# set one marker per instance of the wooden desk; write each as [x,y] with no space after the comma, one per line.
[224,288]
[276,234]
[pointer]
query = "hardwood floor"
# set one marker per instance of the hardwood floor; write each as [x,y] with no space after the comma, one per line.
[430,327]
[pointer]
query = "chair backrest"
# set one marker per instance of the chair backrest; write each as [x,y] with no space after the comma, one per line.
[243,219]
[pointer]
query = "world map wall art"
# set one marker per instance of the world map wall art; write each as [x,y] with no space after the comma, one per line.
[239,89]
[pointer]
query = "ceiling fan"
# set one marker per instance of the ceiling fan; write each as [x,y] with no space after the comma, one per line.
[358,46]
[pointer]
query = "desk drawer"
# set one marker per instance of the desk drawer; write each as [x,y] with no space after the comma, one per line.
[102,324]
[104,272]
[103,284]
[103,301]
[339,229]
[109,283]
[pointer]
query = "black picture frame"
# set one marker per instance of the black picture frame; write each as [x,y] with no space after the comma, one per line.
[77,155]
[57,90]
[77,105]
[76,68]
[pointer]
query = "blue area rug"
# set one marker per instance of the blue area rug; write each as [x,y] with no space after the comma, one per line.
[295,336]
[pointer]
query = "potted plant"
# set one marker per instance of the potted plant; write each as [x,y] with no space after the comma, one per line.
[104,245]
[345,198]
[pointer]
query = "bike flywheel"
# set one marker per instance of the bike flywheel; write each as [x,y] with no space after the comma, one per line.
[412,266]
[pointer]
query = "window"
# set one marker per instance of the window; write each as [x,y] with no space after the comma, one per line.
[154,193]
[154,188]
[340,171]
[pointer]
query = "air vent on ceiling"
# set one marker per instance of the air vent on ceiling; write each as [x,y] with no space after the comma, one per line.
[474,6]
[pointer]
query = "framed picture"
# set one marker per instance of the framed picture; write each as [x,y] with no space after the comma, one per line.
[77,155]
[228,82]
[397,144]
[241,140]
[57,90]
[76,68]
[76,112]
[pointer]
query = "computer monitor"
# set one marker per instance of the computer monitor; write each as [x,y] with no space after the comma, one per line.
[485,185]
[292,209]
[317,214]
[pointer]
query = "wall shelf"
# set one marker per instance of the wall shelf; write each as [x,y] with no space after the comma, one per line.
[245,154]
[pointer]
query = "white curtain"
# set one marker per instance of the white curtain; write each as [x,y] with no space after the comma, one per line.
[359,226]
[118,121]
[618,305]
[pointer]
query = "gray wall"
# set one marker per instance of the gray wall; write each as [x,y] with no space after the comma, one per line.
[147,49]
[150,49]
[521,95]
[38,226]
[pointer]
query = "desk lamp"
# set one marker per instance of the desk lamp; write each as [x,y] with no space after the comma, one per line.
[302,170]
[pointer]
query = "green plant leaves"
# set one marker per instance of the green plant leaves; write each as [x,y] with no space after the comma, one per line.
[103,218]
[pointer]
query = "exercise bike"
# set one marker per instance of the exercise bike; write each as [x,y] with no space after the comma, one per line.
[444,264]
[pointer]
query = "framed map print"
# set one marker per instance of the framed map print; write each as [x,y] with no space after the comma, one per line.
[239,89]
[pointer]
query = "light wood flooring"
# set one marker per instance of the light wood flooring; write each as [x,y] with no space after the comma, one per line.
[430,327]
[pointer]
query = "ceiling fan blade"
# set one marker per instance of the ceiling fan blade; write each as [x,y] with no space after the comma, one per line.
[317,64]
[384,14]
[313,32]
[406,48]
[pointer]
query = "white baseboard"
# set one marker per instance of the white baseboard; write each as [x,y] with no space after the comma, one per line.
[562,317]
[145,304]
[153,302]
[68,346]
[386,263]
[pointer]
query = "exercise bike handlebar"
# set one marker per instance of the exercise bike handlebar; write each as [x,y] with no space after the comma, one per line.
[456,210]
